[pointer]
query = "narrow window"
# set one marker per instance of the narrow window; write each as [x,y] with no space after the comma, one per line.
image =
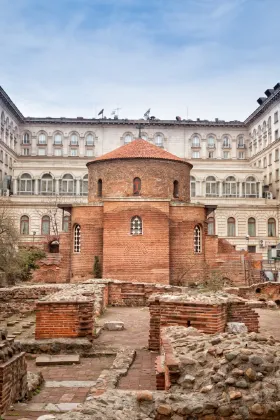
[175,189]
[45,225]
[271,227]
[211,225]
[136,186]
[252,226]
[77,238]
[99,188]
[65,225]
[231,227]
[136,226]
[24,225]
[197,239]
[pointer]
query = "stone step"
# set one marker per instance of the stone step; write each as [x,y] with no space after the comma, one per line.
[67,359]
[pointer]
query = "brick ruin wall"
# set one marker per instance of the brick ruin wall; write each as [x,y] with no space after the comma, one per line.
[208,318]
[13,373]
[263,292]
[64,319]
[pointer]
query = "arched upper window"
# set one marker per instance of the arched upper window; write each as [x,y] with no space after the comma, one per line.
[77,238]
[136,186]
[136,226]
[250,187]
[226,142]
[231,229]
[127,138]
[195,141]
[264,126]
[47,185]
[42,138]
[25,184]
[240,141]
[193,186]
[2,118]
[211,142]
[26,138]
[74,140]
[99,188]
[211,226]
[175,189]
[211,187]
[85,185]
[230,187]
[46,225]
[252,226]
[58,138]
[89,140]
[24,225]
[67,185]
[271,227]
[66,223]
[197,239]
[159,140]
[269,122]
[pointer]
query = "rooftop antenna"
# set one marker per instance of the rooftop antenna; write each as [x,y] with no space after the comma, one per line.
[115,113]
[140,126]
[147,114]
[101,112]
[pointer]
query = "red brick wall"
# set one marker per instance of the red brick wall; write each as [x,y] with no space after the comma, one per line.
[206,318]
[185,265]
[64,319]
[13,382]
[157,177]
[136,257]
[240,312]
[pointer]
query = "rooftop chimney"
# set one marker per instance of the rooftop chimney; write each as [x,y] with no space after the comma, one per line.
[269,92]
[261,100]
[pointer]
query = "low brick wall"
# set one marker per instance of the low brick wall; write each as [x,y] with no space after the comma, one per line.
[261,291]
[64,319]
[241,312]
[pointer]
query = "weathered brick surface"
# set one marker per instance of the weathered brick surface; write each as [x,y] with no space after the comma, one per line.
[240,312]
[13,381]
[263,291]
[64,319]
[157,177]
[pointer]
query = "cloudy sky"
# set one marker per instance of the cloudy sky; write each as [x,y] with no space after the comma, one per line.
[193,58]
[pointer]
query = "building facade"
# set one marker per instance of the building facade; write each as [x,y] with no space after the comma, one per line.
[235,167]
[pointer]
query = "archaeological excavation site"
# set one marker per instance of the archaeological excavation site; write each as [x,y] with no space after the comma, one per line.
[139,311]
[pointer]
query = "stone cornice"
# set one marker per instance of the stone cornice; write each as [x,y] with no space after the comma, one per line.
[9,103]
[262,108]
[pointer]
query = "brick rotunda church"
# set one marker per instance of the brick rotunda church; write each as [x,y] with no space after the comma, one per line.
[139,221]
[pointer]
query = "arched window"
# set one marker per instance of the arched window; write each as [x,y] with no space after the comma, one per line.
[2,118]
[271,227]
[46,225]
[136,226]
[211,225]
[159,140]
[25,184]
[67,185]
[77,238]
[136,186]
[74,140]
[66,223]
[195,141]
[89,140]
[264,126]
[211,187]
[57,138]
[197,239]
[99,188]
[230,187]
[127,138]
[47,185]
[175,189]
[24,225]
[231,230]
[193,186]
[269,122]
[85,185]
[226,142]
[26,138]
[42,138]
[250,187]
[252,226]
[211,142]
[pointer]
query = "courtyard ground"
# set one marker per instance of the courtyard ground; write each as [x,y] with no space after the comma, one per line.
[67,386]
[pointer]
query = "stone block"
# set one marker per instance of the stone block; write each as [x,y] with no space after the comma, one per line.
[66,359]
[236,328]
[114,326]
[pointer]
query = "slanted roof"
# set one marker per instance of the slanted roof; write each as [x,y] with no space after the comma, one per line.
[139,149]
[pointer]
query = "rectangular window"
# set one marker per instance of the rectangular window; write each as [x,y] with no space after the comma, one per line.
[259,164]
[225,155]
[270,178]
[277,175]
[276,155]
[25,152]
[195,155]
[58,152]
[265,179]
[241,155]
[211,155]
[89,152]
[41,151]
[251,249]
[275,117]
[270,159]
[73,152]
[276,135]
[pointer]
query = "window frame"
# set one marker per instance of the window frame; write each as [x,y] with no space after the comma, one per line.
[136,230]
